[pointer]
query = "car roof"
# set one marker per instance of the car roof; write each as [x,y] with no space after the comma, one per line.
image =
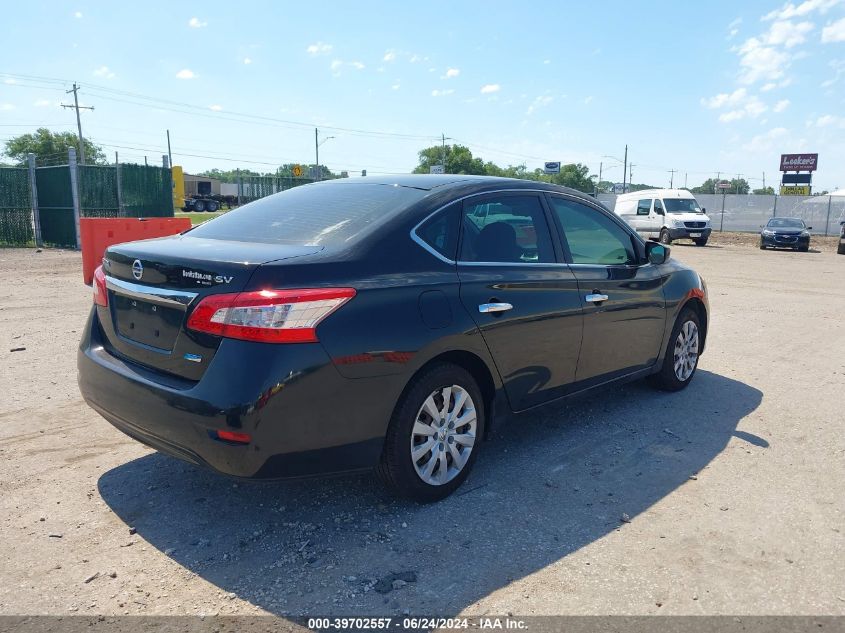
[459,182]
[654,193]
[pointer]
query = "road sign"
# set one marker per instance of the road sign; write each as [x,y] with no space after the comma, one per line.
[799,162]
[618,187]
[437,169]
[552,167]
[724,185]
[297,171]
[795,191]
[797,179]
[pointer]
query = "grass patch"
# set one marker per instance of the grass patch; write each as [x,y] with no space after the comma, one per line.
[197,218]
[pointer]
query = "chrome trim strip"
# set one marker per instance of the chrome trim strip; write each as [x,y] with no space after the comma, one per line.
[151,294]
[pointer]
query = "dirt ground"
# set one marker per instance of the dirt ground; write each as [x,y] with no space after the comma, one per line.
[725,498]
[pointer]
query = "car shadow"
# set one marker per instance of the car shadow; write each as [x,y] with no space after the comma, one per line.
[545,485]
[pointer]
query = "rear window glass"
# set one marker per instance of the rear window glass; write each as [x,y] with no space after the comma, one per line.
[320,215]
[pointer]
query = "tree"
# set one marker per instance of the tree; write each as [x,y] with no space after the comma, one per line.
[765,191]
[229,175]
[51,147]
[457,159]
[286,171]
[738,186]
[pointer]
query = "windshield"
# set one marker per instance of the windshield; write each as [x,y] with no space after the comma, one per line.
[786,223]
[311,215]
[681,205]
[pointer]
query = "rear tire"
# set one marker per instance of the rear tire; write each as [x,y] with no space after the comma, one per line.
[680,360]
[804,249]
[445,441]
[665,238]
[212,205]
[762,246]
[199,206]
[701,242]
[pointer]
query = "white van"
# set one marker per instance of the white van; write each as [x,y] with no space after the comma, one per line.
[667,214]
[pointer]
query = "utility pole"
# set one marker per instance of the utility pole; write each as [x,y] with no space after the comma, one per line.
[685,180]
[77,107]
[631,173]
[443,150]
[764,182]
[317,152]
[672,178]
[625,172]
[598,184]
[169,155]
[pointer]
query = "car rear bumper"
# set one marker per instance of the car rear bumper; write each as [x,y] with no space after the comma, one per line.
[303,417]
[684,232]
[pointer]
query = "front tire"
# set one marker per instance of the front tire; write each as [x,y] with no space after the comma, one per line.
[681,358]
[665,238]
[199,206]
[434,435]
[840,250]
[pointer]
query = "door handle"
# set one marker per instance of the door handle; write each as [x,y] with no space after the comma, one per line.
[596,298]
[495,307]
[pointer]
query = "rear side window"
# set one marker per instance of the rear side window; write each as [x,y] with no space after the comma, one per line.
[644,207]
[441,231]
[593,238]
[505,229]
[331,214]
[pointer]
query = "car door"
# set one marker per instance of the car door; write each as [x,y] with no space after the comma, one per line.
[524,299]
[642,219]
[621,294]
[658,216]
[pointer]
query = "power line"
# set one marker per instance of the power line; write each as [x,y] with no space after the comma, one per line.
[78,107]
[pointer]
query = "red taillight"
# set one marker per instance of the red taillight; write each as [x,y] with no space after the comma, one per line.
[234,436]
[101,295]
[268,316]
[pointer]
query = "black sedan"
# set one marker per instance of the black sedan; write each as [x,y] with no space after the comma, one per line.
[380,323]
[786,233]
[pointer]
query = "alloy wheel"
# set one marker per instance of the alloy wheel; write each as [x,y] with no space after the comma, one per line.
[443,435]
[686,351]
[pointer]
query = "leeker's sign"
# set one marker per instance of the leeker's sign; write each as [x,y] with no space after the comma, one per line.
[799,162]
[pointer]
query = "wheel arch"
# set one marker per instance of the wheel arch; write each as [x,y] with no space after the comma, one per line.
[696,304]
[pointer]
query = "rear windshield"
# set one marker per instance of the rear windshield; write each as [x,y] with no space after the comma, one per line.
[681,205]
[331,214]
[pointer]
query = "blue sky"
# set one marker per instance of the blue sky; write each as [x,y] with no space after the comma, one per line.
[695,87]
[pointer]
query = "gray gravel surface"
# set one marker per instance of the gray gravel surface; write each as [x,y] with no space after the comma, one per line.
[722,499]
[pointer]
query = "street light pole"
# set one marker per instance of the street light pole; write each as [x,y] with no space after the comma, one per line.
[317,152]
[625,172]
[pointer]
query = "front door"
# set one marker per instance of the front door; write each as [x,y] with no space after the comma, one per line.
[622,297]
[525,302]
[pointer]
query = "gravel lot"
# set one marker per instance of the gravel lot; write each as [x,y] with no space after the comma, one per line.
[731,491]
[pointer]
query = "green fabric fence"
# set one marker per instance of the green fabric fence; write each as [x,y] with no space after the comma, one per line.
[15,208]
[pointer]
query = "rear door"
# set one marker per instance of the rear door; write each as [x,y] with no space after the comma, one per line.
[644,218]
[622,297]
[524,300]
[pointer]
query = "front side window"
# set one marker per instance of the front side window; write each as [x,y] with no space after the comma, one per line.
[508,228]
[593,238]
[658,207]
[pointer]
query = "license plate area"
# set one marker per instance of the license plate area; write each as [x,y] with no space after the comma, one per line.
[695,234]
[147,323]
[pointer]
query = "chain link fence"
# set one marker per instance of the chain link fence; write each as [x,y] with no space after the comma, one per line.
[748,213]
[40,205]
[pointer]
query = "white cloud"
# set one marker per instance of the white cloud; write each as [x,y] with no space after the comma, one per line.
[490,88]
[10,81]
[588,100]
[396,86]
[829,120]
[357,65]
[441,93]
[547,61]
[788,33]
[389,56]
[790,10]
[415,58]
[735,23]
[5,107]
[765,143]
[336,64]
[739,104]
[195,23]
[104,71]
[247,61]
[733,115]
[452,72]
[834,32]
[838,66]
[781,105]
[725,99]
[186,73]
[539,102]
[215,107]
[77,14]
[41,103]
[320,48]
[758,61]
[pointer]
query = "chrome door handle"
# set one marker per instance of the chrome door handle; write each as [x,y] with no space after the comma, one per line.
[595,298]
[495,307]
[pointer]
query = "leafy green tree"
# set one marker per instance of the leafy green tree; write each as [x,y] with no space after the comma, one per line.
[457,159]
[765,191]
[740,186]
[51,147]
[708,186]
[286,171]
[229,175]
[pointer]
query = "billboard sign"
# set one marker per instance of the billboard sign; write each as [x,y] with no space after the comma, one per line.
[552,167]
[803,190]
[797,179]
[724,184]
[437,169]
[799,162]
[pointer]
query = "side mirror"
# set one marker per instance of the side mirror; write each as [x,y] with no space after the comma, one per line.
[703,210]
[809,228]
[659,211]
[656,253]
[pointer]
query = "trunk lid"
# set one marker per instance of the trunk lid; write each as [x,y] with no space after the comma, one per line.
[154,284]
